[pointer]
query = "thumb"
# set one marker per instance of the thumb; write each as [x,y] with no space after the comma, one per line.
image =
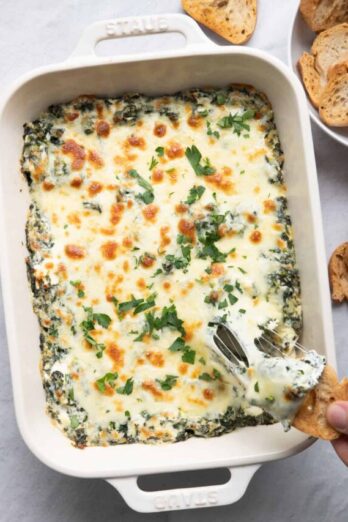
[337,416]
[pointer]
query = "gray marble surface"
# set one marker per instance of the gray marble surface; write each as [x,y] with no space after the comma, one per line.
[309,487]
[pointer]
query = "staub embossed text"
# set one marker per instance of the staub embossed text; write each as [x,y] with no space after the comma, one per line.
[185,500]
[135,26]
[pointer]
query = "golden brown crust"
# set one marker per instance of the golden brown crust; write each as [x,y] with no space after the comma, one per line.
[333,108]
[323,14]
[307,8]
[341,390]
[311,417]
[310,78]
[234,20]
[338,273]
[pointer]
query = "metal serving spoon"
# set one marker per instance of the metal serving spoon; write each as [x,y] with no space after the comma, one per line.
[233,351]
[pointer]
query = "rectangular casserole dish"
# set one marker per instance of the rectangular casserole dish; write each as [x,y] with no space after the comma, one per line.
[199,64]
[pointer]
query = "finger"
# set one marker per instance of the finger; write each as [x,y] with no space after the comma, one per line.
[341,447]
[337,416]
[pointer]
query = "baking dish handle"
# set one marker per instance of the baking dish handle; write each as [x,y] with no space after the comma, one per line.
[138,26]
[185,498]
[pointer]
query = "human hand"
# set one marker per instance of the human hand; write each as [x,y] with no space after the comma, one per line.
[337,416]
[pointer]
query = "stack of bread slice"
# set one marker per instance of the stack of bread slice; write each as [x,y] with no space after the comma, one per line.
[324,70]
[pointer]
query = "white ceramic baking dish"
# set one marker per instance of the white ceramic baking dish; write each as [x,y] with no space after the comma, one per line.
[200,63]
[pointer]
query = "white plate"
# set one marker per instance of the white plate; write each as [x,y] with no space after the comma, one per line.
[301,39]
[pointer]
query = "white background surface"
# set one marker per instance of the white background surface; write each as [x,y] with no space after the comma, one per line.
[312,486]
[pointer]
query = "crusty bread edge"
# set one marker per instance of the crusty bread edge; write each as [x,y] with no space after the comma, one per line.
[311,416]
[307,9]
[336,295]
[315,100]
[336,71]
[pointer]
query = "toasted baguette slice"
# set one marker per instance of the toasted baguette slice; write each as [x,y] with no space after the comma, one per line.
[338,273]
[323,14]
[311,417]
[232,19]
[329,48]
[333,109]
[311,78]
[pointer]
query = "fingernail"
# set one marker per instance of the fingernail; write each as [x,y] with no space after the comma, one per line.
[337,417]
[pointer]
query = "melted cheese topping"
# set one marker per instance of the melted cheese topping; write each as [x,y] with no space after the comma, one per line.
[173,205]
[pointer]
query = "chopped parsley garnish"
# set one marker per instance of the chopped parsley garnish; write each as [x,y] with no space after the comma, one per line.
[148,196]
[107,379]
[139,305]
[216,373]
[205,377]
[232,299]
[179,345]
[211,132]
[195,157]
[223,304]
[236,122]
[242,311]
[208,377]
[77,285]
[208,235]
[208,228]
[168,319]
[239,288]
[182,240]
[168,383]
[172,261]
[153,163]
[195,194]
[256,387]
[213,252]
[89,324]
[241,270]
[157,272]
[160,151]
[127,388]
[189,356]
[102,319]
[145,305]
